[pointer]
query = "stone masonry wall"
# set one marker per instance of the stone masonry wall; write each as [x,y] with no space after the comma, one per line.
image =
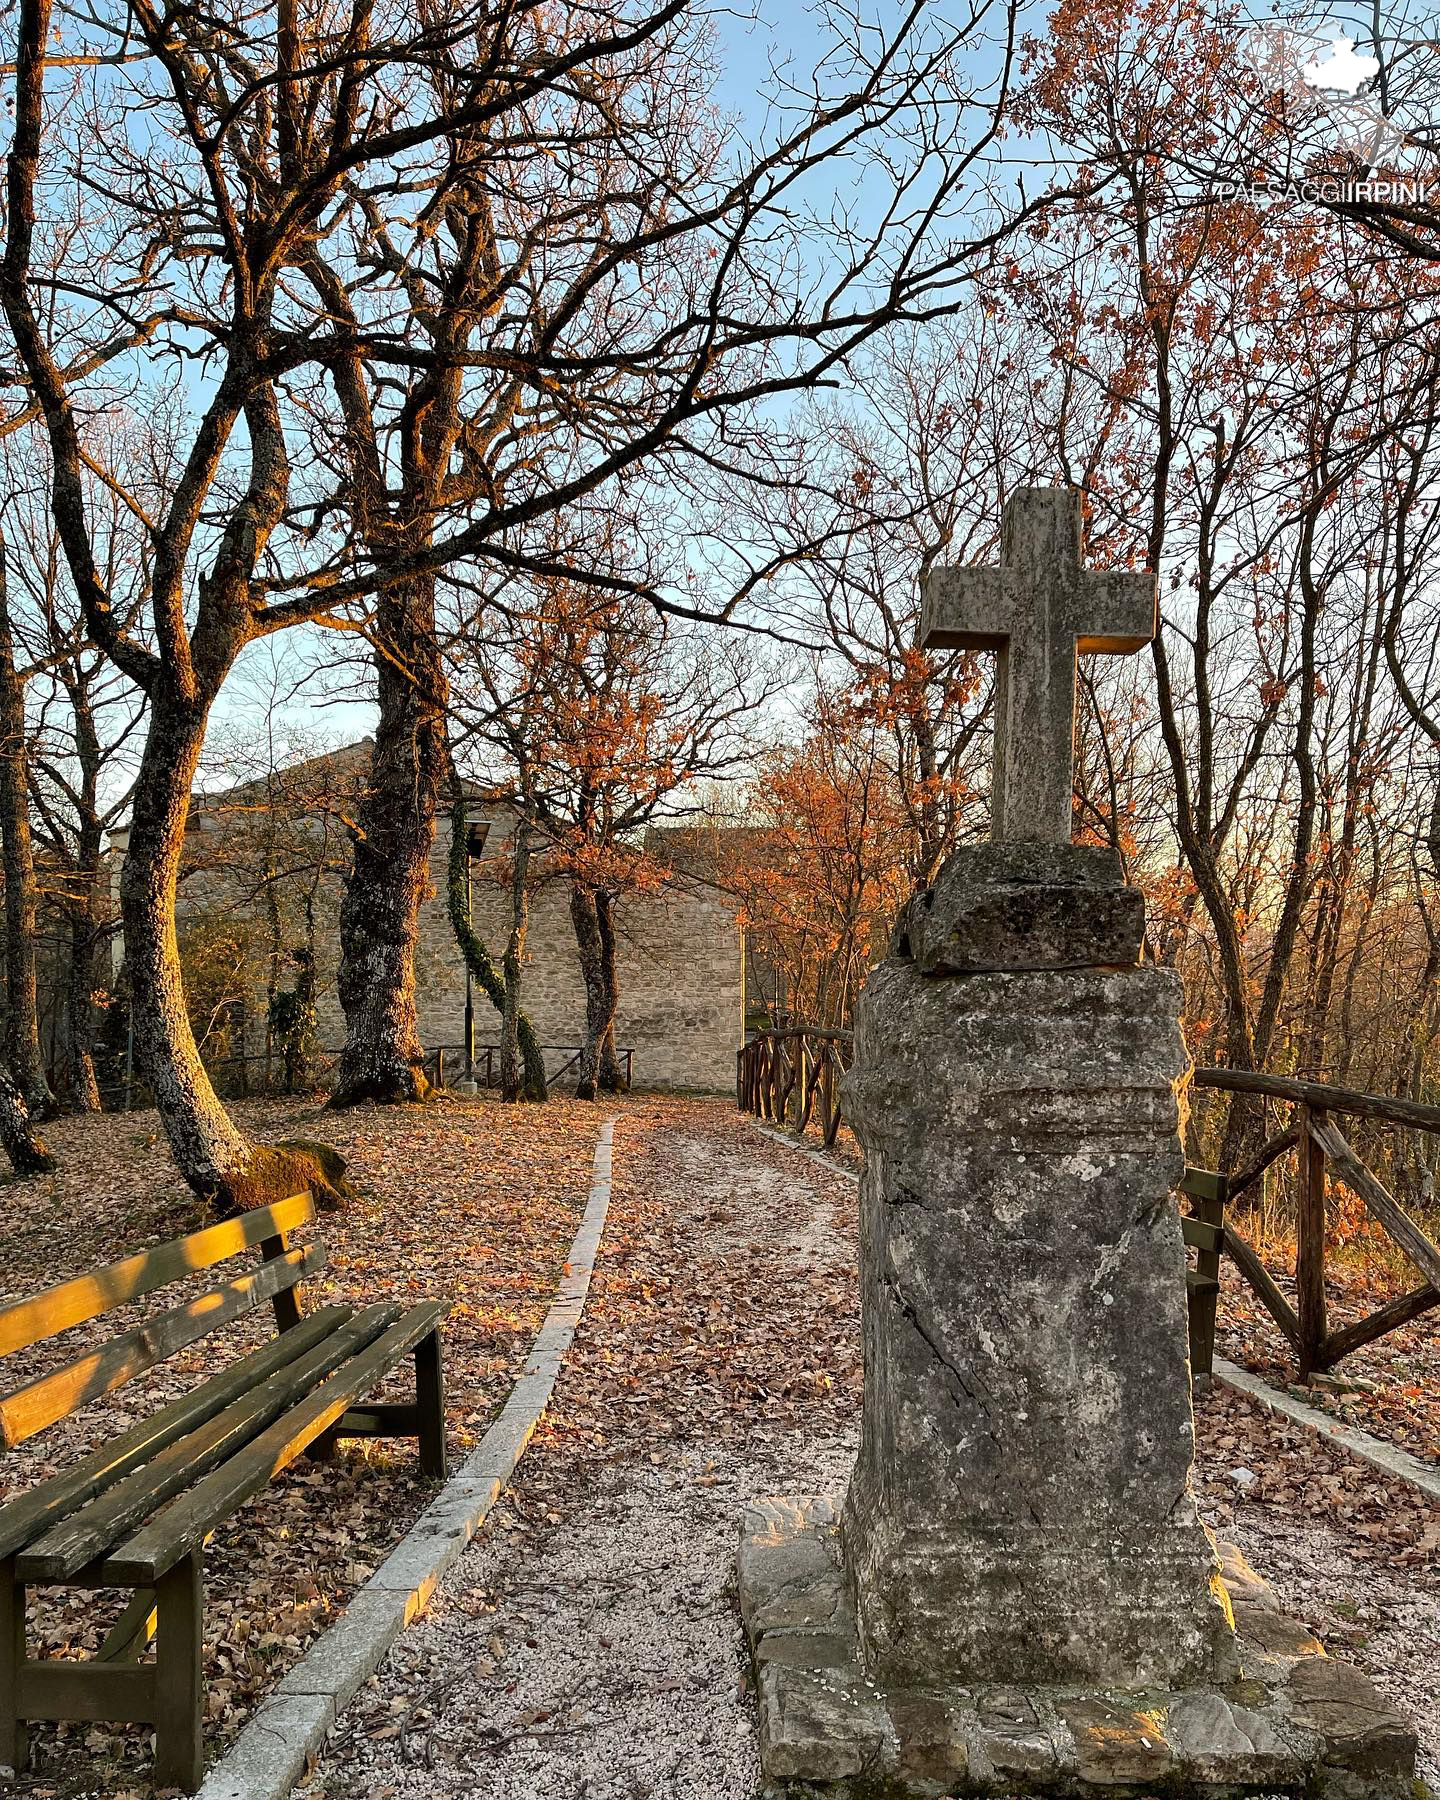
[679,950]
[681,1003]
[680,965]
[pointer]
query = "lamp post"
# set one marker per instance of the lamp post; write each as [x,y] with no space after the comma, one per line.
[476,831]
[469,979]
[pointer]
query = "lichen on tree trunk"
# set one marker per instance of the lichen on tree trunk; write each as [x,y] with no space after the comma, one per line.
[511,1073]
[24,1146]
[390,867]
[220,1163]
[22,1029]
[608,1072]
[592,916]
[80,1011]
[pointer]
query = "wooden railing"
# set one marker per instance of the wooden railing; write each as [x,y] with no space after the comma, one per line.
[1321,1150]
[784,1075]
[446,1063]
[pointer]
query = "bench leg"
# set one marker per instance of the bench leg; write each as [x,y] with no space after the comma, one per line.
[128,1637]
[14,1739]
[179,1680]
[430,1406]
[1202,1335]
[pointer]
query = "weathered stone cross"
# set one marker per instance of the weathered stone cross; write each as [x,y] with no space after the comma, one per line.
[1017,1590]
[1038,610]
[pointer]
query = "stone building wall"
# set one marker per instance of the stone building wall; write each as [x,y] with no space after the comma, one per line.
[679,953]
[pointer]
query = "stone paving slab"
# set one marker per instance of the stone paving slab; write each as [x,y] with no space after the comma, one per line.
[1296,1722]
[275,1748]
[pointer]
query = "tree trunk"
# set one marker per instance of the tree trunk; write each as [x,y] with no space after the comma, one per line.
[80,1015]
[390,871]
[478,959]
[215,1157]
[25,1148]
[611,1078]
[89,905]
[511,1072]
[300,1052]
[589,940]
[22,1025]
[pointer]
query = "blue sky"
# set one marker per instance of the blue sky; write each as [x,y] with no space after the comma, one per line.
[774,36]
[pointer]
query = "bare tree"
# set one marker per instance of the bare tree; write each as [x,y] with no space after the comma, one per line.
[594,720]
[193,265]
[611,291]
[22,1029]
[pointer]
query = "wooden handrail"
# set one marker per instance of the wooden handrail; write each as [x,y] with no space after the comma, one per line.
[1323,1098]
[1324,1154]
[780,1074]
[794,1062]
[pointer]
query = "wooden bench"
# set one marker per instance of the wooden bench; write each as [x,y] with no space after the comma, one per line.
[1204,1231]
[138,1512]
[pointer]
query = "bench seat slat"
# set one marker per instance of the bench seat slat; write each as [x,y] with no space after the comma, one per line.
[86,1534]
[175,1532]
[39,1403]
[28,1515]
[72,1302]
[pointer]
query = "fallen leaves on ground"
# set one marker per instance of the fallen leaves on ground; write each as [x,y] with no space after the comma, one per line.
[665,1350]
[714,1334]
[675,1349]
[1397,1396]
[1248,1457]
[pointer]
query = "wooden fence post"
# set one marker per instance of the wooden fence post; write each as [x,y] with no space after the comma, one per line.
[1310,1242]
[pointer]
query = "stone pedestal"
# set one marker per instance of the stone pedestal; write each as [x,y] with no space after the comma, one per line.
[1017,1593]
[1021,1510]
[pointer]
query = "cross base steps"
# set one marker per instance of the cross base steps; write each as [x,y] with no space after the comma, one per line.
[1297,1723]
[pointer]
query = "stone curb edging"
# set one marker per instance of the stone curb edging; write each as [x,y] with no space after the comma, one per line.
[274,1748]
[801,1148]
[1388,1459]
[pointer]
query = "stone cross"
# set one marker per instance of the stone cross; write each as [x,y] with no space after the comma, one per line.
[1037,610]
[1017,1590]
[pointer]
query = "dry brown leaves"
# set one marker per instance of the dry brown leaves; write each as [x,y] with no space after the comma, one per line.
[1403,1369]
[673,1348]
[1251,1458]
[462,1198]
[666,1351]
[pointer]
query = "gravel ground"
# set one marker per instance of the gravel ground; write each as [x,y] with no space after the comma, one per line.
[588,1648]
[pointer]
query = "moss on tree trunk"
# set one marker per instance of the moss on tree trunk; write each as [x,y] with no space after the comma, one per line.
[23,1144]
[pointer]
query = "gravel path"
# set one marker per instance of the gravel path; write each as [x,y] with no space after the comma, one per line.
[588,1649]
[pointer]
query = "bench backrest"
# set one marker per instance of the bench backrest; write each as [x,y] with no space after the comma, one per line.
[37,1403]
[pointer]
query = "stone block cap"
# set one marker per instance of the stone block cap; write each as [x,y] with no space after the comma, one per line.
[1010,907]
